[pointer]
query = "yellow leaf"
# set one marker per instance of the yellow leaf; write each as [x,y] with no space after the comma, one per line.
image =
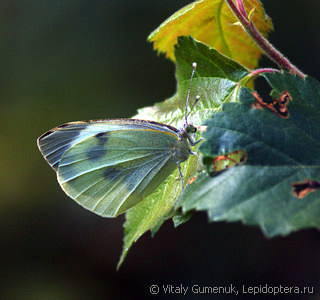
[213,23]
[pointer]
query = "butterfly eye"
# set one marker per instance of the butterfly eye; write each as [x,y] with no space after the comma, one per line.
[190,129]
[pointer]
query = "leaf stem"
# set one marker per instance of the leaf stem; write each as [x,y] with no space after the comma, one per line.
[255,73]
[268,49]
[263,70]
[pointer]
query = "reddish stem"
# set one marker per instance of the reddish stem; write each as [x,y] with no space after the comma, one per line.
[242,8]
[263,70]
[268,49]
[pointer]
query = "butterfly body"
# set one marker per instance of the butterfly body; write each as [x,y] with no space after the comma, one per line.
[108,166]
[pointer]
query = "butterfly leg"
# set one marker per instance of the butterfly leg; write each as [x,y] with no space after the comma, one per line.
[197,141]
[193,143]
[181,176]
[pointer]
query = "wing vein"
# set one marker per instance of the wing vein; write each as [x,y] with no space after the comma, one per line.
[105,166]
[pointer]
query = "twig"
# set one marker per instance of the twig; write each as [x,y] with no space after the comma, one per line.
[268,49]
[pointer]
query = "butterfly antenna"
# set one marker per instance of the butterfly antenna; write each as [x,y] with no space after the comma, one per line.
[194,66]
[193,105]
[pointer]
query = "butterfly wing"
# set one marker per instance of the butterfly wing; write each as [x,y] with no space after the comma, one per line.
[116,166]
[54,143]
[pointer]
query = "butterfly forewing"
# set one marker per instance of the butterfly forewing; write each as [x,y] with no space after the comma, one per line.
[54,143]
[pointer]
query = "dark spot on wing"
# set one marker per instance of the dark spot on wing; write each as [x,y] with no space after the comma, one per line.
[102,138]
[96,153]
[100,150]
[111,173]
[65,130]
[126,182]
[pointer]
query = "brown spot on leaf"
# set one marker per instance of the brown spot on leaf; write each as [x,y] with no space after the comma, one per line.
[231,159]
[278,106]
[191,180]
[304,187]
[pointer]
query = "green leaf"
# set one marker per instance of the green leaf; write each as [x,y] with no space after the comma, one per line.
[215,80]
[213,23]
[280,153]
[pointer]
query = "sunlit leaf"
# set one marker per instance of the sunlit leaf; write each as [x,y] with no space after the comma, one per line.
[213,23]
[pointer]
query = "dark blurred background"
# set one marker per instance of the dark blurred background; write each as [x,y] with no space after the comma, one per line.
[73,60]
